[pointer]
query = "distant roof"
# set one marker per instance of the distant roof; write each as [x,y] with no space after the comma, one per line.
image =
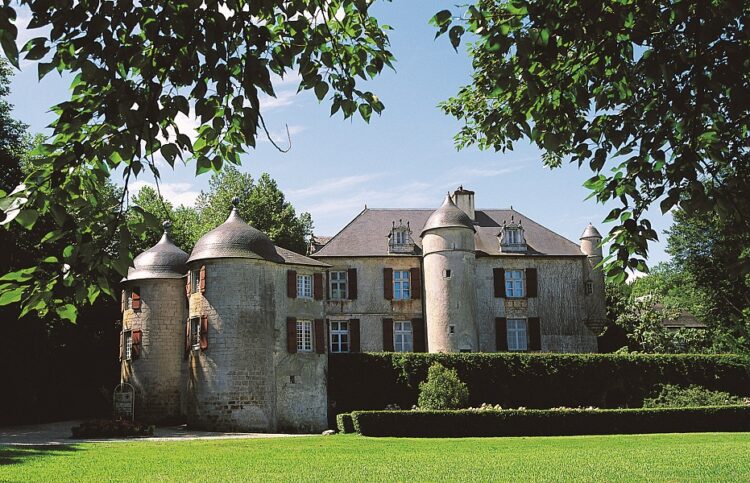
[447,216]
[294,258]
[685,320]
[367,234]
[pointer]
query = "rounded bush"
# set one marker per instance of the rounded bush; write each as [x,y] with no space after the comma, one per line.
[442,389]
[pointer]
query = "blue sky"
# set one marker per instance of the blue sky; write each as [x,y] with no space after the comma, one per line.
[404,158]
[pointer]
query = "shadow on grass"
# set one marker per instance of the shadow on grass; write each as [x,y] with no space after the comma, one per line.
[13,455]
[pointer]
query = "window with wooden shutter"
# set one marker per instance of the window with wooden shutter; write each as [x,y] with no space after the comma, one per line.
[388,283]
[501,334]
[416,283]
[318,286]
[535,334]
[354,335]
[420,340]
[352,283]
[203,279]
[122,301]
[388,335]
[531,282]
[320,336]
[291,334]
[136,340]
[498,275]
[291,284]
[122,345]
[135,298]
[187,337]
[187,284]
[204,332]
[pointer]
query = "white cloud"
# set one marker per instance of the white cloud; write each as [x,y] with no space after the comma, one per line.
[176,193]
[333,185]
[280,136]
[283,98]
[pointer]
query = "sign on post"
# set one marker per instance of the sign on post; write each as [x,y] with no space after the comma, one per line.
[124,401]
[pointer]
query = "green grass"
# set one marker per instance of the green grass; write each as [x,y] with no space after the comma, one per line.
[660,457]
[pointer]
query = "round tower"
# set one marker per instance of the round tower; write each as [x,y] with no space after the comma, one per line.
[230,330]
[151,346]
[596,310]
[449,274]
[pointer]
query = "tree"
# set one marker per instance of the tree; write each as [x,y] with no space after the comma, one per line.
[13,137]
[653,96]
[442,389]
[136,67]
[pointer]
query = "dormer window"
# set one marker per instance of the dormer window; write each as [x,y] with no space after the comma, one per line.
[512,237]
[399,240]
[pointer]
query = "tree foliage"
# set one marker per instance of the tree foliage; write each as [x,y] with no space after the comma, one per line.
[137,67]
[442,389]
[653,96]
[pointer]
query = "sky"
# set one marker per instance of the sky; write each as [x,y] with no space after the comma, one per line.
[405,158]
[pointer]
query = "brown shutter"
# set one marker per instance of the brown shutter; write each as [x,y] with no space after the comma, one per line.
[499,279]
[354,335]
[320,337]
[416,283]
[418,335]
[291,284]
[136,298]
[122,344]
[135,337]
[204,332]
[187,284]
[187,337]
[531,282]
[388,283]
[535,334]
[328,341]
[328,285]
[203,279]
[388,335]
[291,335]
[318,286]
[351,283]
[501,334]
[122,302]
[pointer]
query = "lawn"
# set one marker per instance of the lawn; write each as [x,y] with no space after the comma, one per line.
[660,457]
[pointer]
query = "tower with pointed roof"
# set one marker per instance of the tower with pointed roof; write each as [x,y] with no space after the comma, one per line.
[449,259]
[591,246]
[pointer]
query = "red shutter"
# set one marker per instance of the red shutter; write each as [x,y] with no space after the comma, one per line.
[291,284]
[203,279]
[318,286]
[291,335]
[351,280]
[354,335]
[187,284]
[535,334]
[531,282]
[499,279]
[320,337]
[204,332]
[136,298]
[388,335]
[501,334]
[122,345]
[388,283]
[187,338]
[136,341]
[416,283]
[418,335]
[122,301]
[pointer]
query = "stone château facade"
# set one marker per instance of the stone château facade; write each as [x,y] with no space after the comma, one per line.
[235,336]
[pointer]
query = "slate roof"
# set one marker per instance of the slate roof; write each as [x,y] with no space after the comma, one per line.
[367,234]
[294,258]
[163,260]
[448,216]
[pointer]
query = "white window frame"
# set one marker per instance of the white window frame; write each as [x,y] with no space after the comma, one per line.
[304,336]
[512,236]
[195,281]
[128,335]
[195,332]
[341,284]
[401,285]
[129,299]
[400,237]
[515,284]
[518,335]
[304,286]
[403,336]
[339,337]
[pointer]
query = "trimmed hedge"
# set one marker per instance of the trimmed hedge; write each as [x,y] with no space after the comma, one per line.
[344,423]
[375,380]
[550,422]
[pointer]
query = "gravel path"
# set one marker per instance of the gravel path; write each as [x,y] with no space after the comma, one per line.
[59,433]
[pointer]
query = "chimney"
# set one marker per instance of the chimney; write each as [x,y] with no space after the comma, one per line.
[464,199]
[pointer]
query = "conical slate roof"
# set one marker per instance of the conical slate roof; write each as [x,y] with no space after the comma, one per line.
[235,239]
[448,216]
[591,232]
[163,260]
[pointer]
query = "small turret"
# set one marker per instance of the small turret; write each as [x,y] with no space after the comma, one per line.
[591,241]
[591,246]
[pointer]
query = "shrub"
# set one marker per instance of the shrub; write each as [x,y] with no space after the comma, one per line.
[550,422]
[672,396]
[442,389]
[344,423]
[111,428]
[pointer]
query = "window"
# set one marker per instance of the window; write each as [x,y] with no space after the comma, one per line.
[339,336]
[195,332]
[338,285]
[514,283]
[128,345]
[446,274]
[129,295]
[304,286]
[401,285]
[402,336]
[517,335]
[195,280]
[304,336]
[451,329]
[589,287]
[399,241]
[512,236]
[400,237]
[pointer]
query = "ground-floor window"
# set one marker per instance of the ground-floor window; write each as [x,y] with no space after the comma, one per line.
[403,336]
[339,334]
[304,336]
[517,338]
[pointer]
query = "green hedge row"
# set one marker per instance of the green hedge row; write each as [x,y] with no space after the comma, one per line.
[345,423]
[536,422]
[375,380]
